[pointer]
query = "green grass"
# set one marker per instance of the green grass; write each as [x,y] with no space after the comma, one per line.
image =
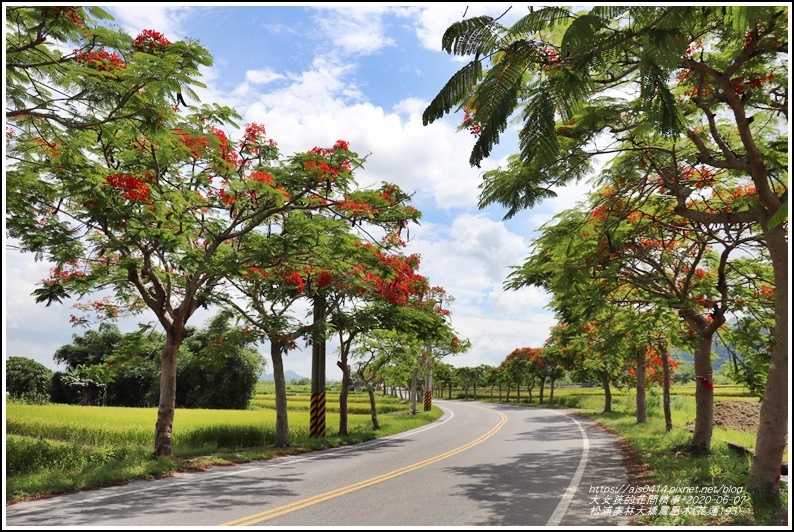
[54,449]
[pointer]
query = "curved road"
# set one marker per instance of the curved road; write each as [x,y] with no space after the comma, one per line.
[480,464]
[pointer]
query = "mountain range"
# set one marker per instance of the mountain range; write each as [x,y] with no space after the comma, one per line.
[289,375]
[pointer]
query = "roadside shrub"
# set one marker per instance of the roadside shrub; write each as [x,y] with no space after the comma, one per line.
[27,380]
[570,401]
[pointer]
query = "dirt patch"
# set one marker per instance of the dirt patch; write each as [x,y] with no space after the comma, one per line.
[737,415]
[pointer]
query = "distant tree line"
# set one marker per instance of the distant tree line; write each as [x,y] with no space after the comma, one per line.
[218,368]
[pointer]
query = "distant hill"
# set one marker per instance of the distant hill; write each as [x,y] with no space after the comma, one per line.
[289,375]
[720,355]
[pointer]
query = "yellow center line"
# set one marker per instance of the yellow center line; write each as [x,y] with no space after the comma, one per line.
[305,503]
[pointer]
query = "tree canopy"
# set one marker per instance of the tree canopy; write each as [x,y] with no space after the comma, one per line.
[690,102]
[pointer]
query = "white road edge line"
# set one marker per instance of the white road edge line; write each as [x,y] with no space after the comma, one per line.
[567,497]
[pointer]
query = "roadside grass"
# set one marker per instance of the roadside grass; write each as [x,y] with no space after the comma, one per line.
[54,449]
[662,459]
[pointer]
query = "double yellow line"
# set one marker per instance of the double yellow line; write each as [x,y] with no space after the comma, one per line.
[305,503]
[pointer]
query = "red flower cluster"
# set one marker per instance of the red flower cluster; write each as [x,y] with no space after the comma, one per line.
[694,47]
[62,275]
[67,11]
[334,167]
[767,292]
[149,41]
[470,123]
[196,145]
[257,270]
[100,60]
[323,279]
[262,177]
[132,188]
[321,169]
[356,208]
[50,147]
[253,134]
[254,142]
[550,55]
[601,213]
[293,278]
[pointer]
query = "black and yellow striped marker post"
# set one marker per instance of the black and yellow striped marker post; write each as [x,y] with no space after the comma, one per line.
[317,415]
[317,401]
[428,392]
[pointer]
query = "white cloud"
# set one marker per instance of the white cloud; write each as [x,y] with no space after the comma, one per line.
[471,256]
[262,77]
[167,19]
[256,77]
[354,30]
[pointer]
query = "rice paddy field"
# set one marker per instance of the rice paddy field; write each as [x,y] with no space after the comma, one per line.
[56,448]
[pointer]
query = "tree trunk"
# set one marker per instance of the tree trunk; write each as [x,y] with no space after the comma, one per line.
[551,391]
[772,435]
[607,392]
[668,418]
[642,408]
[165,411]
[282,423]
[542,384]
[343,393]
[373,408]
[414,377]
[704,394]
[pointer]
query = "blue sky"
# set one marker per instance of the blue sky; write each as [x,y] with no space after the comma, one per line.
[364,73]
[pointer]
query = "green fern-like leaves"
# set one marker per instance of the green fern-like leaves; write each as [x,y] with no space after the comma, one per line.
[581,35]
[516,188]
[454,92]
[496,98]
[538,136]
[536,21]
[478,35]
[657,100]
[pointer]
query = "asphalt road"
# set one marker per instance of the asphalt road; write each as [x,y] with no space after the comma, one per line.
[479,465]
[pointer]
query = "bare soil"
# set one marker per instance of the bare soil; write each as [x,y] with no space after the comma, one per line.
[737,415]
